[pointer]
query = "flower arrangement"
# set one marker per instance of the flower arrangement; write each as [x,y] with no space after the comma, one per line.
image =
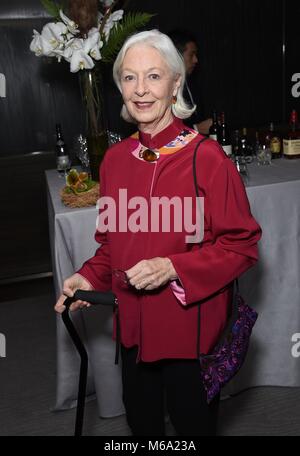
[87,34]
[91,32]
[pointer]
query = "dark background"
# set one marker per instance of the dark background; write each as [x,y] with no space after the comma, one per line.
[248,53]
[243,69]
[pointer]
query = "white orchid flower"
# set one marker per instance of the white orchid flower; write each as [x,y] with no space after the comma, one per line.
[54,35]
[77,53]
[36,44]
[94,35]
[65,53]
[111,22]
[42,46]
[69,36]
[75,44]
[80,60]
[61,40]
[49,41]
[93,44]
[72,26]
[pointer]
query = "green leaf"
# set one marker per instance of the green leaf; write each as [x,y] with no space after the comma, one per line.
[129,24]
[51,7]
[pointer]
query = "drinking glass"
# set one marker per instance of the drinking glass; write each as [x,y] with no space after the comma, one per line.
[264,155]
[63,165]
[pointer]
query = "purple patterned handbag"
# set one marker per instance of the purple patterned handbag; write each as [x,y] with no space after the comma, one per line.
[227,357]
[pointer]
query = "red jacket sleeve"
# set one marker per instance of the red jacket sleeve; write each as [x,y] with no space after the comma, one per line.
[208,269]
[97,270]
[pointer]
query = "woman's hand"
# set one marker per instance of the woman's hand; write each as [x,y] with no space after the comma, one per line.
[72,284]
[151,274]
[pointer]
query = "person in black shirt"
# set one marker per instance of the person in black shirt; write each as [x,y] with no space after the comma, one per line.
[186,44]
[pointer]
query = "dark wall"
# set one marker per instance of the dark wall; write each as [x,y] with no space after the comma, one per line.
[20,9]
[241,68]
[24,241]
[240,53]
[39,92]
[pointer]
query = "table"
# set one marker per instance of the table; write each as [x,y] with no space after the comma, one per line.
[72,242]
[272,287]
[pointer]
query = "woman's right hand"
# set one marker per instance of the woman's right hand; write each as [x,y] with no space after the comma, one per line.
[70,285]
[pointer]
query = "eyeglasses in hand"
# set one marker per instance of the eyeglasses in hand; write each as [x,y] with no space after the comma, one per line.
[121,275]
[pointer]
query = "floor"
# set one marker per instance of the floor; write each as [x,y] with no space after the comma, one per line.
[27,381]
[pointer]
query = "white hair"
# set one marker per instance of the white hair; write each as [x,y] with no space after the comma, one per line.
[164,45]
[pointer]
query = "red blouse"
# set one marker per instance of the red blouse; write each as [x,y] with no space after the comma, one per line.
[156,321]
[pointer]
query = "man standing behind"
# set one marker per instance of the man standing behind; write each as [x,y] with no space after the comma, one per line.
[186,44]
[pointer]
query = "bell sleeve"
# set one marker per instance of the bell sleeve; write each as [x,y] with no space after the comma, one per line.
[97,270]
[206,271]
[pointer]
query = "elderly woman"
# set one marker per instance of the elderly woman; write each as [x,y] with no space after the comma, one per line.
[160,275]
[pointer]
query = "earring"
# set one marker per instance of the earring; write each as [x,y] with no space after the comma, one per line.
[174,99]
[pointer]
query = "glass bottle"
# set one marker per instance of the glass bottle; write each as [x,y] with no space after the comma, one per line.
[236,143]
[214,128]
[291,141]
[274,142]
[244,143]
[63,163]
[224,138]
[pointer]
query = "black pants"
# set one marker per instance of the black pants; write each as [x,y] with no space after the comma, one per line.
[147,385]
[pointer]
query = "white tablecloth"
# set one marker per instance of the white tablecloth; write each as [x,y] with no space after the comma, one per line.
[72,242]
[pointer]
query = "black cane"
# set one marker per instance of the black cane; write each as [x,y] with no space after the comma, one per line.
[94,297]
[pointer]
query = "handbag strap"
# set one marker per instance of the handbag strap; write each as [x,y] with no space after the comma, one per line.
[236,282]
[197,194]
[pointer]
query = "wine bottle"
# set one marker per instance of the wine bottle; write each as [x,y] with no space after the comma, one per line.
[244,146]
[213,129]
[291,141]
[236,143]
[224,138]
[274,142]
[62,156]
